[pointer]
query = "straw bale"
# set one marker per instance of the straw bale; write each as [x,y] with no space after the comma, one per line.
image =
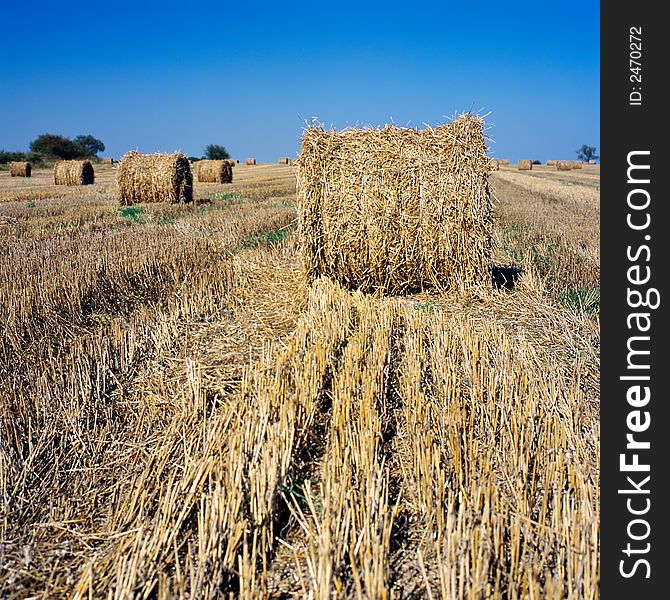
[214,171]
[154,178]
[551,163]
[107,161]
[251,161]
[494,165]
[592,162]
[576,164]
[563,165]
[20,169]
[524,165]
[504,161]
[396,209]
[284,160]
[74,172]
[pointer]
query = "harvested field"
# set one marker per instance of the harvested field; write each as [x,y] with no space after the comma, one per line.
[185,415]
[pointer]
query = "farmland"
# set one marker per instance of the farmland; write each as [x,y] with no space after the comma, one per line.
[183,415]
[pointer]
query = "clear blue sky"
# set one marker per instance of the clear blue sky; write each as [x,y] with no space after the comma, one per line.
[165,76]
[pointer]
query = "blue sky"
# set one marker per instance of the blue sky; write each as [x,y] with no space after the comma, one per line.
[165,76]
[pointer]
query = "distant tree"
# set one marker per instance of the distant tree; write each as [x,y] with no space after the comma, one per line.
[537,162]
[57,146]
[215,152]
[194,158]
[586,153]
[91,145]
[34,158]
[7,157]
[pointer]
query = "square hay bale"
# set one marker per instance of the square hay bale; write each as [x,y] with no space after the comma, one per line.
[563,165]
[551,163]
[494,165]
[74,172]
[284,160]
[154,178]
[214,171]
[20,168]
[524,165]
[396,209]
[250,161]
[576,165]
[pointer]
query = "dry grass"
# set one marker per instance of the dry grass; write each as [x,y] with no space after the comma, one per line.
[183,416]
[154,178]
[396,209]
[74,172]
[20,169]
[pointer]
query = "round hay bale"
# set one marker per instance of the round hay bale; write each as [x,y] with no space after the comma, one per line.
[214,171]
[107,161]
[504,161]
[74,172]
[284,160]
[250,161]
[494,165]
[563,165]
[20,168]
[524,165]
[551,163]
[154,178]
[396,209]
[576,165]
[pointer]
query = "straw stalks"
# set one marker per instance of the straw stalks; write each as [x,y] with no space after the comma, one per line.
[214,171]
[74,172]
[20,169]
[396,209]
[154,178]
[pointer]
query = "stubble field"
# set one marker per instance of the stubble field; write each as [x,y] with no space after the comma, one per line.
[182,415]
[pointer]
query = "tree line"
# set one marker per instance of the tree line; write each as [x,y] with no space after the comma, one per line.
[50,147]
[56,147]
